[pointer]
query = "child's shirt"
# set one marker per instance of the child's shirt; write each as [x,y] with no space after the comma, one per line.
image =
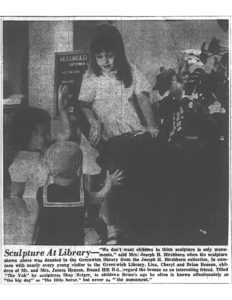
[29,168]
[61,215]
[112,102]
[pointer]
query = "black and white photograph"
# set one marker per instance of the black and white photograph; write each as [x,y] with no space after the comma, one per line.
[116,131]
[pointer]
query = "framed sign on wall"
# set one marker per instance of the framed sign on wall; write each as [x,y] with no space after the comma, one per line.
[69,70]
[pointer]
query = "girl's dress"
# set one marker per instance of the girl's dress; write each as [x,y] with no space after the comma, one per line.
[112,102]
[113,105]
[28,168]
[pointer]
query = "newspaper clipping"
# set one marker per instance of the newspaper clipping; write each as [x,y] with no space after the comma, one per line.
[115,150]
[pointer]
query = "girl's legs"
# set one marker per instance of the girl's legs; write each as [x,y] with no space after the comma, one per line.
[93,184]
[111,215]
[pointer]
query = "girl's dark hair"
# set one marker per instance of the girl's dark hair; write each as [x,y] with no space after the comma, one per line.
[107,38]
[23,124]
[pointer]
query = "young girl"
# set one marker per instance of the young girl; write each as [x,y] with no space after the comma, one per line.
[107,93]
[30,138]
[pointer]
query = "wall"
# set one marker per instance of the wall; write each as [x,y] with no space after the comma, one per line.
[46,38]
[15,56]
[151,44]
[83,33]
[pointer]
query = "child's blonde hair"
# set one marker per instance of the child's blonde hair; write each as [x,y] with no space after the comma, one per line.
[64,159]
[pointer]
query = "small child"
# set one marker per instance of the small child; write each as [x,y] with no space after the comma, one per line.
[29,138]
[63,200]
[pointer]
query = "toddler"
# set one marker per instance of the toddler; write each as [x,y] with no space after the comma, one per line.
[63,200]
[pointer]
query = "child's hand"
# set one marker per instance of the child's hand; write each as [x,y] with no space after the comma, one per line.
[95,135]
[116,178]
[153,131]
[63,96]
[21,208]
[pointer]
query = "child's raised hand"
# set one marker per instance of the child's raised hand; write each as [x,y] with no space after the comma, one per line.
[115,178]
[63,96]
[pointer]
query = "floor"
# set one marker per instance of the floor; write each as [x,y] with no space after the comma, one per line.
[19,227]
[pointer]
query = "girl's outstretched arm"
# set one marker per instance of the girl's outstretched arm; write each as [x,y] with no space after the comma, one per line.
[112,180]
[65,130]
[145,105]
[16,195]
[95,130]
